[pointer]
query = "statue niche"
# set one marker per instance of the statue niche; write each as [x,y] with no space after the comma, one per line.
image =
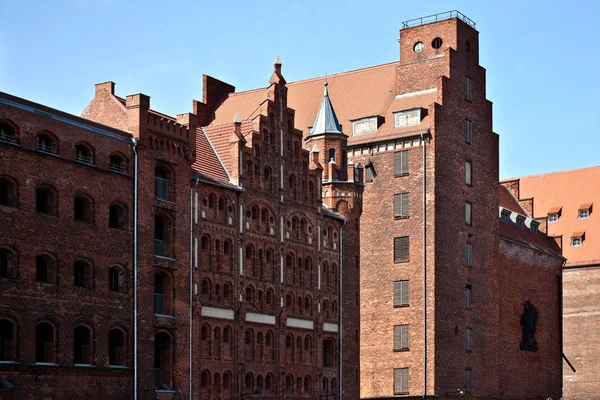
[528,326]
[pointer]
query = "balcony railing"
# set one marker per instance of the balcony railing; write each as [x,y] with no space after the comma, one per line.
[162,188]
[159,303]
[160,247]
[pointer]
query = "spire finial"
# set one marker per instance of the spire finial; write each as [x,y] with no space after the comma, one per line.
[237,119]
[277,60]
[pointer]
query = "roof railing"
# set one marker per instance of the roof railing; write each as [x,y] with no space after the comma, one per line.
[439,17]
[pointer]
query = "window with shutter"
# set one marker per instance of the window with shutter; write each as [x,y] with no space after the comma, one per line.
[400,380]
[468,254]
[401,163]
[400,293]
[468,213]
[468,173]
[401,249]
[468,131]
[401,205]
[400,337]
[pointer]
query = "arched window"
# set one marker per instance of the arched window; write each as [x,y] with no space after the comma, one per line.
[249,294]
[46,143]
[45,268]
[227,380]
[299,384]
[204,380]
[268,178]
[82,274]
[226,247]
[334,386]
[289,384]
[163,361]
[7,340]
[227,288]
[82,209]
[82,346]
[84,154]
[45,201]
[296,149]
[307,305]
[328,353]
[45,343]
[7,132]
[205,337]
[269,383]
[8,264]
[116,279]
[118,163]
[163,178]
[212,201]
[8,192]
[259,382]
[307,385]
[249,382]
[325,386]
[331,155]
[117,216]
[116,347]
[205,287]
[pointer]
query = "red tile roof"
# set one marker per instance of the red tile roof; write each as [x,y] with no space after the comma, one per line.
[508,201]
[568,189]
[535,240]
[207,162]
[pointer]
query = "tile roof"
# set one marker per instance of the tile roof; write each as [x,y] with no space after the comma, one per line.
[207,162]
[568,189]
[508,201]
[535,240]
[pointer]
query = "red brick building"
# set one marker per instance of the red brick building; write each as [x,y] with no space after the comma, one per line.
[564,203]
[252,260]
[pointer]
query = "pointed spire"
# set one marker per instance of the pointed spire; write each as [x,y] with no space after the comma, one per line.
[237,119]
[277,61]
[326,121]
[277,77]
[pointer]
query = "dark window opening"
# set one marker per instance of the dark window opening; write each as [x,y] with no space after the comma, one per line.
[117,164]
[81,272]
[7,341]
[8,195]
[117,216]
[163,362]
[46,144]
[83,154]
[44,201]
[44,269]
[161,178]
[82,346]
[7,134]
[436,43]
[82,209]
[328,353]
[44,343]
[116,347]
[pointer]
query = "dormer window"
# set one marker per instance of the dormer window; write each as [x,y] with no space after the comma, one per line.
[520,221]
[584,211]
[534,226]
[577,239]
[554,214]
[364,125]
[407,118]
[505,216]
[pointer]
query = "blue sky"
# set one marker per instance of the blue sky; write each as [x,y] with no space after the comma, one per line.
[541,57]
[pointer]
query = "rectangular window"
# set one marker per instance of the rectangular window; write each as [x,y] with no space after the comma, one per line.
[468,173]
[468,213]
[520,222]
[468,339]
[505,215]
[401,249]
[467,380]
[468,131]
[400,337]
[400,380]
[365,125]
[467,88]
[576,241]
[400,293]
[468,254]
[468,296]
[401,162]
[552,217]
[584,214]
[401,205]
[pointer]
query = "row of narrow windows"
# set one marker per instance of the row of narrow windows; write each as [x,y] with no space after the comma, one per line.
[46,270]
[47,143]
[46,347]
[46,202]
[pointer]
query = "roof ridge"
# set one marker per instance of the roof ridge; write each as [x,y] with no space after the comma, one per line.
[322,77]
[549,173]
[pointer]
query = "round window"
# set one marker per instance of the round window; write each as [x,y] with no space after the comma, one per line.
[436,43]
[418,47]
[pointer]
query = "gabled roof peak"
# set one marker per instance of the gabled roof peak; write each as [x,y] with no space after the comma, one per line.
[326,121]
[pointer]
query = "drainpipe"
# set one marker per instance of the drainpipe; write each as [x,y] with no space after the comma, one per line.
[424,266]
[134,144]
[192,252]
[341,305]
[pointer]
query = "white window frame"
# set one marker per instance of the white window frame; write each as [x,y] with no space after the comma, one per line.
[413,117]
[553,217]
[576,241]
[586,211]
[364,122]
[468,172]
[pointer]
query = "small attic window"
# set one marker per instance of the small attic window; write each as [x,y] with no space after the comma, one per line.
[364,125]
[584,211]
[407,118]
[554,214]
[520,221]
[534,226]
[577,239]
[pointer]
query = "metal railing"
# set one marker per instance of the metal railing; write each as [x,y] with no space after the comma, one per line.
[439,17]
[159,303]
[160,247]
[162,188]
